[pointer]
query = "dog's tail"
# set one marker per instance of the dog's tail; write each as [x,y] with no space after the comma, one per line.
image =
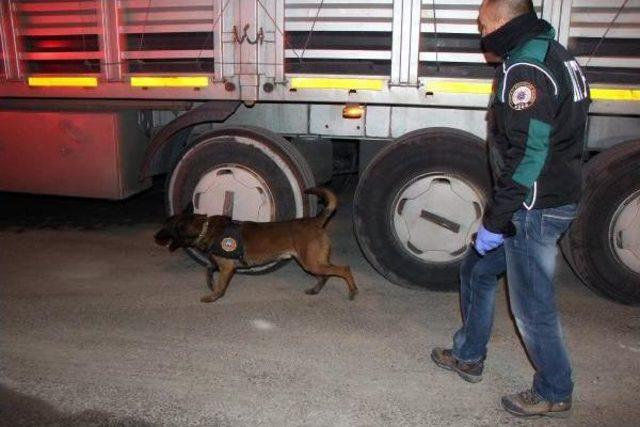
[330,203]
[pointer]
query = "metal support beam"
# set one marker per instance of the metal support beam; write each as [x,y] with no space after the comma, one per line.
[218,72]
[271,52]
[564,21]
[247,68]
[9,41]
[406,41]
[110,40]
[227,45]
[551,12]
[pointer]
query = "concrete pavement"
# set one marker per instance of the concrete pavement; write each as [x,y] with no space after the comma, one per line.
[101,327]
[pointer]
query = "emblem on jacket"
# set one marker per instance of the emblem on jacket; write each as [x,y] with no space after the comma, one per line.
[229,244]
[522,96]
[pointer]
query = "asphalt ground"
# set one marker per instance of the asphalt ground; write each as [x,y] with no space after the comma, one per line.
[99,326]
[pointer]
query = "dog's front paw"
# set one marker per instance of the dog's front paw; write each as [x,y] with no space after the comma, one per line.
[209,298]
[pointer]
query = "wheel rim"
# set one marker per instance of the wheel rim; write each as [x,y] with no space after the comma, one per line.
[286,169]
[236,191]
[624,233]
[435,215]
[252,177]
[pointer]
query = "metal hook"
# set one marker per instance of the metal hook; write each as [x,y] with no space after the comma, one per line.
[240,39]
[236,36]
[259,37]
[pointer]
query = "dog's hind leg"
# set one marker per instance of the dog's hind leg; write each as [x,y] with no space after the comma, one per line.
[227,269]
[315,259]
[318,254]
[209,276]
[345,273]
[327,270]
[318,287]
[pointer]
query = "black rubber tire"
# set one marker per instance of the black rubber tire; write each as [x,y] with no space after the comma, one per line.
[610,178]
[220,147]
[420,152]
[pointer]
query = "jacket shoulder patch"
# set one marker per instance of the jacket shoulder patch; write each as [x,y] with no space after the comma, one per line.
[522,96]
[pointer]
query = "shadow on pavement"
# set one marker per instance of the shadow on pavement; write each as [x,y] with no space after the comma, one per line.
[18,409]
[22,212]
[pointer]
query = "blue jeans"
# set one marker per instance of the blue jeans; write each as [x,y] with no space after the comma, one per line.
[529,258]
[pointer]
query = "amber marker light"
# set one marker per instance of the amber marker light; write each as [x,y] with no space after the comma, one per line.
[353,111]
[170,81]
[63,81]
[336,83]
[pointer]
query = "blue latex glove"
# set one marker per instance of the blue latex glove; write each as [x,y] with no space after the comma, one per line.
[487,241]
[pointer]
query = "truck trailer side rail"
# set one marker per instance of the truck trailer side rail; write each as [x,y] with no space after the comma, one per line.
[420,53]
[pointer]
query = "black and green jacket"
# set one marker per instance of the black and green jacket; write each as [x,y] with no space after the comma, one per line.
[537,123]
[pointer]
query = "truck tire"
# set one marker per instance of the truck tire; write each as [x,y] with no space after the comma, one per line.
[417,205]
[258,172]
[604,240]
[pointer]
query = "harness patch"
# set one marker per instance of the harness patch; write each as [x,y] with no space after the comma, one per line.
[227,243]
[522,96]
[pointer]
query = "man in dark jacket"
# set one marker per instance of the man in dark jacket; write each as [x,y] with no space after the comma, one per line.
[537,121]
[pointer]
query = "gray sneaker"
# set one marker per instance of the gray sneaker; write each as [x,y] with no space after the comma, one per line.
[443,357]
[529,404]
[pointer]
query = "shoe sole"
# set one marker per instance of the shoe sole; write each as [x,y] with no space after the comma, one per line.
[562,415]
[557,414]
[469,378]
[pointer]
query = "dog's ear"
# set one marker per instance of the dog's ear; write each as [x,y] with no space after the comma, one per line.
[162,237]
[219,221]
[182,231]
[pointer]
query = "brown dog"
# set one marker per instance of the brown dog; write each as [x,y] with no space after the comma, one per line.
[231,244]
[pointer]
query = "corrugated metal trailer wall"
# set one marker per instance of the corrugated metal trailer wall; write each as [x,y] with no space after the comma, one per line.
[255,49]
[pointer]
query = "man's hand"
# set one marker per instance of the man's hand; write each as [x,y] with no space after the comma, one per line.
[487,241]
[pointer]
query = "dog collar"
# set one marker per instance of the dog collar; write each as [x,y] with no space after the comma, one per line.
[203,233]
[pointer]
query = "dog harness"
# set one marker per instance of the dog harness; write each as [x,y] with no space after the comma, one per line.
[225,244]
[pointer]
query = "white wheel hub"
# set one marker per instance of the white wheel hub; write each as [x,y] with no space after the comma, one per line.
[235,191]
[624,232]
[436,215]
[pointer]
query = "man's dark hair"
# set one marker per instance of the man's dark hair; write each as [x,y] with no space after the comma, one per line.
[515,7]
